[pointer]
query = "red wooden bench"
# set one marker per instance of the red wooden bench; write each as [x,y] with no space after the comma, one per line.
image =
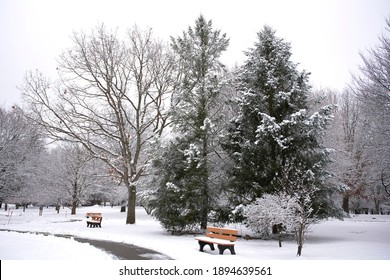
[94,219]
[223,237]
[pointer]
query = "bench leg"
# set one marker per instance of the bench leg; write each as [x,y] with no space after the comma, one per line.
[202,244]
[222,248]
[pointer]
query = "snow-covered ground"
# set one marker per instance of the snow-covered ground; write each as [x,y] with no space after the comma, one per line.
[356,248]
[363,237]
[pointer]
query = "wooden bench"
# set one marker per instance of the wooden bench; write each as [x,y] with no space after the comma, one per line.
[95,219]
[93,214]
[223,237]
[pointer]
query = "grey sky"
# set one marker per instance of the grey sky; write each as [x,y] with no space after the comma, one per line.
[326,36]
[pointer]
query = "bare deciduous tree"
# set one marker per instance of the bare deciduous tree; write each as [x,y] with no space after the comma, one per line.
[75,172]
[372,87]
[110,98]
[352,149]
[20,149]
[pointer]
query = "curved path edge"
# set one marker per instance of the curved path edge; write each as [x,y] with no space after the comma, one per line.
[122,251]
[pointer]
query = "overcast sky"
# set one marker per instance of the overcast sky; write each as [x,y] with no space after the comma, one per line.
[326,36]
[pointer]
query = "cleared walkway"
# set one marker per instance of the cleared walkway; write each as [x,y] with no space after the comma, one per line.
[124,251]
[120,250]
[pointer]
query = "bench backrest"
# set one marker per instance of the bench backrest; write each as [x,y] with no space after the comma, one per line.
[222,233]
[93,214]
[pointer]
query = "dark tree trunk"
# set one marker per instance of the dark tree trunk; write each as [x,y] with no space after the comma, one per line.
[346,203]
[74,197]
[131,205]
[205,177]
[299,252]
[74,206]
[300,236]
[277,230]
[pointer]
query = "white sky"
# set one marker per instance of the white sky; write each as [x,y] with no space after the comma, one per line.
[326,36]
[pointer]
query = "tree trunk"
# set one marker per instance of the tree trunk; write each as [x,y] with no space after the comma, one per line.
[346,203]
[299,252]
[205,176]
[131,204]
[203,224]
[377,204]
[74,197]
[277,230]
[74,206]
[205,201]
[300,235]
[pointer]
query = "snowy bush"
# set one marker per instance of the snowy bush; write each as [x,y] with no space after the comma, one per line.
[146,198]
[292,214]
[270,210]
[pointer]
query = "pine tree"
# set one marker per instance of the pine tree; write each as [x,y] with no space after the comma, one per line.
[274,142]
[187,183]
[176,203]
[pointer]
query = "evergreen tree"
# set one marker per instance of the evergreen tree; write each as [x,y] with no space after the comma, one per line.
[176,203]
[274,143]
[195,116]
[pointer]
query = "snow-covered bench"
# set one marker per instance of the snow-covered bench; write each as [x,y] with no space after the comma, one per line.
[93,214]
[94,219]
[223,237]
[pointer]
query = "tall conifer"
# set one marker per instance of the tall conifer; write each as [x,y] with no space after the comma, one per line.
[275,142]
[195,119]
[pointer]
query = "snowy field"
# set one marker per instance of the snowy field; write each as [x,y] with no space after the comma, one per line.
[363,237]
[356,248]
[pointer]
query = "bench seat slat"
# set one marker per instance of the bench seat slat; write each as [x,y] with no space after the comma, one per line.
[215,240]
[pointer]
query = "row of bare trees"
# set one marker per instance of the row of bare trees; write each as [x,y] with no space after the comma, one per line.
[20,145]
[360,132]
[60,174]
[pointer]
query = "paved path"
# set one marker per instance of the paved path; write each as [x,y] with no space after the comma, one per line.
[124,251]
